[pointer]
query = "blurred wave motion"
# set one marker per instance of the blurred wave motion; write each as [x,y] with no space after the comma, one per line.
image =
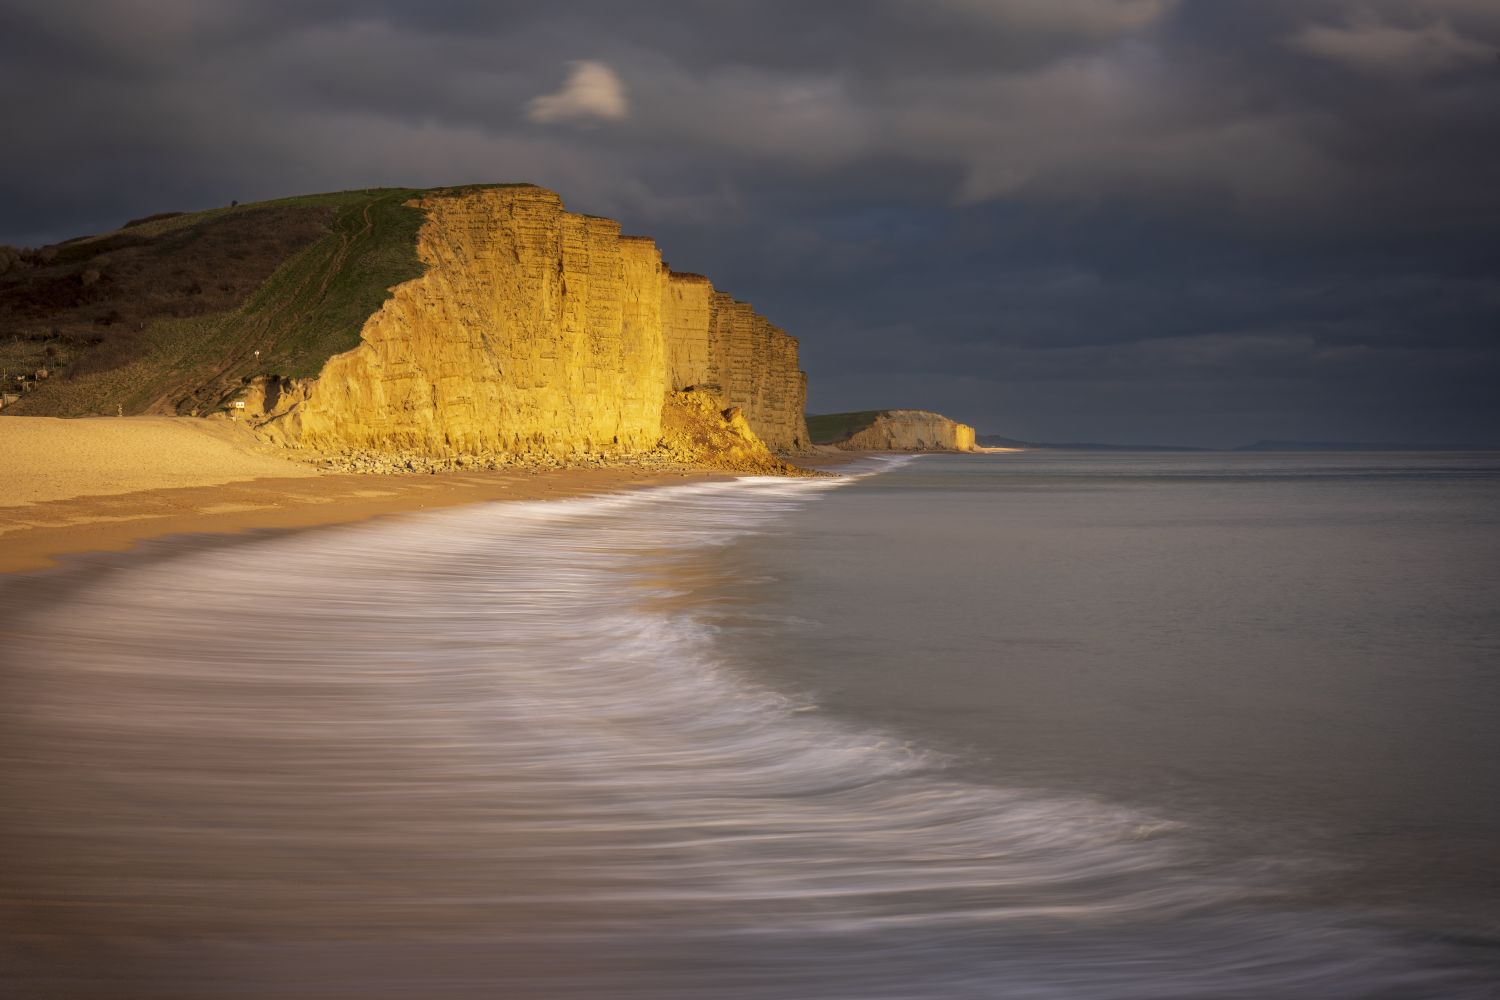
[507,751]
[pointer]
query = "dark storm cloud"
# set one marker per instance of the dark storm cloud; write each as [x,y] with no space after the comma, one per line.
[1201,220]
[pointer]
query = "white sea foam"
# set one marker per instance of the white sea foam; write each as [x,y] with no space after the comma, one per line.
[515,725]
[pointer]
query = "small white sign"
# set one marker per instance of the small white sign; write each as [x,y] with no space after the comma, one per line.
[239,404]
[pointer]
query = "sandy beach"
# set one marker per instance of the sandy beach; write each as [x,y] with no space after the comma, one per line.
[92,485]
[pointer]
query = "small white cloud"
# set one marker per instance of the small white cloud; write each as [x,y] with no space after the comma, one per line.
[1380,49]
[592,90]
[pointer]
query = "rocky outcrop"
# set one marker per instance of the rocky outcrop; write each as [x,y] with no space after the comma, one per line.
[898,430]
[537,332]
[696,431]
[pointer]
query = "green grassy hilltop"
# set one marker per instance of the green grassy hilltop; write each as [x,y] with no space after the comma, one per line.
[166,314]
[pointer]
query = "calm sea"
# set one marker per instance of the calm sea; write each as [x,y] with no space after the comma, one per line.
[1044,725]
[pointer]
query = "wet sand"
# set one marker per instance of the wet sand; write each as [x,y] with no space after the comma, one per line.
[35,535]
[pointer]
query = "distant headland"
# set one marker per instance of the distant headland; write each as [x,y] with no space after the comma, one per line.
[890,430]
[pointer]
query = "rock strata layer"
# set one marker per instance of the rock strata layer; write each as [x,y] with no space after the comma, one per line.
[720,344]
[537,333]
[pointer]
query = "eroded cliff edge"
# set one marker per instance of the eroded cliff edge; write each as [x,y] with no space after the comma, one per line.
[537,332]
[892,430]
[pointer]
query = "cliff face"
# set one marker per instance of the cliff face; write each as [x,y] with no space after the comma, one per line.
[901,430]
[536,331]
[717,343]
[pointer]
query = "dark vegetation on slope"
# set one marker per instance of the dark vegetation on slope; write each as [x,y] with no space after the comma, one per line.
[166,314]
[826,428]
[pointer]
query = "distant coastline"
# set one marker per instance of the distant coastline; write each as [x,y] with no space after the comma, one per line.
[996,440]
[1360,446]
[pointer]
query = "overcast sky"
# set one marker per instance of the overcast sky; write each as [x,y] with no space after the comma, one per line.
[1173,221]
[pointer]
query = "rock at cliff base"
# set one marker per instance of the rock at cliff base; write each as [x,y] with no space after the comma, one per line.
[698,430]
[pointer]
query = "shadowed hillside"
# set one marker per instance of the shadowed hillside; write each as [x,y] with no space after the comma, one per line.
[166,314]
[826,428]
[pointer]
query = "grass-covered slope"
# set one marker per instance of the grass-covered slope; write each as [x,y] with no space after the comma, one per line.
[826,428]
[166,315]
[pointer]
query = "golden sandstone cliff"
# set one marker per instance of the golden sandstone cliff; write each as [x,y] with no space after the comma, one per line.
[540,333]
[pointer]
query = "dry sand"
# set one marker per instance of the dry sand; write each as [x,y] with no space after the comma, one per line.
[47,458]
[74,486]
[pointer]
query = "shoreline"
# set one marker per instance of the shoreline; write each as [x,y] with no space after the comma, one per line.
[105,485]
[44,535]
[71,487]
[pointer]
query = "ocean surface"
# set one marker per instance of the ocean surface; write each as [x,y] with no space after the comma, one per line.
[1046,726]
